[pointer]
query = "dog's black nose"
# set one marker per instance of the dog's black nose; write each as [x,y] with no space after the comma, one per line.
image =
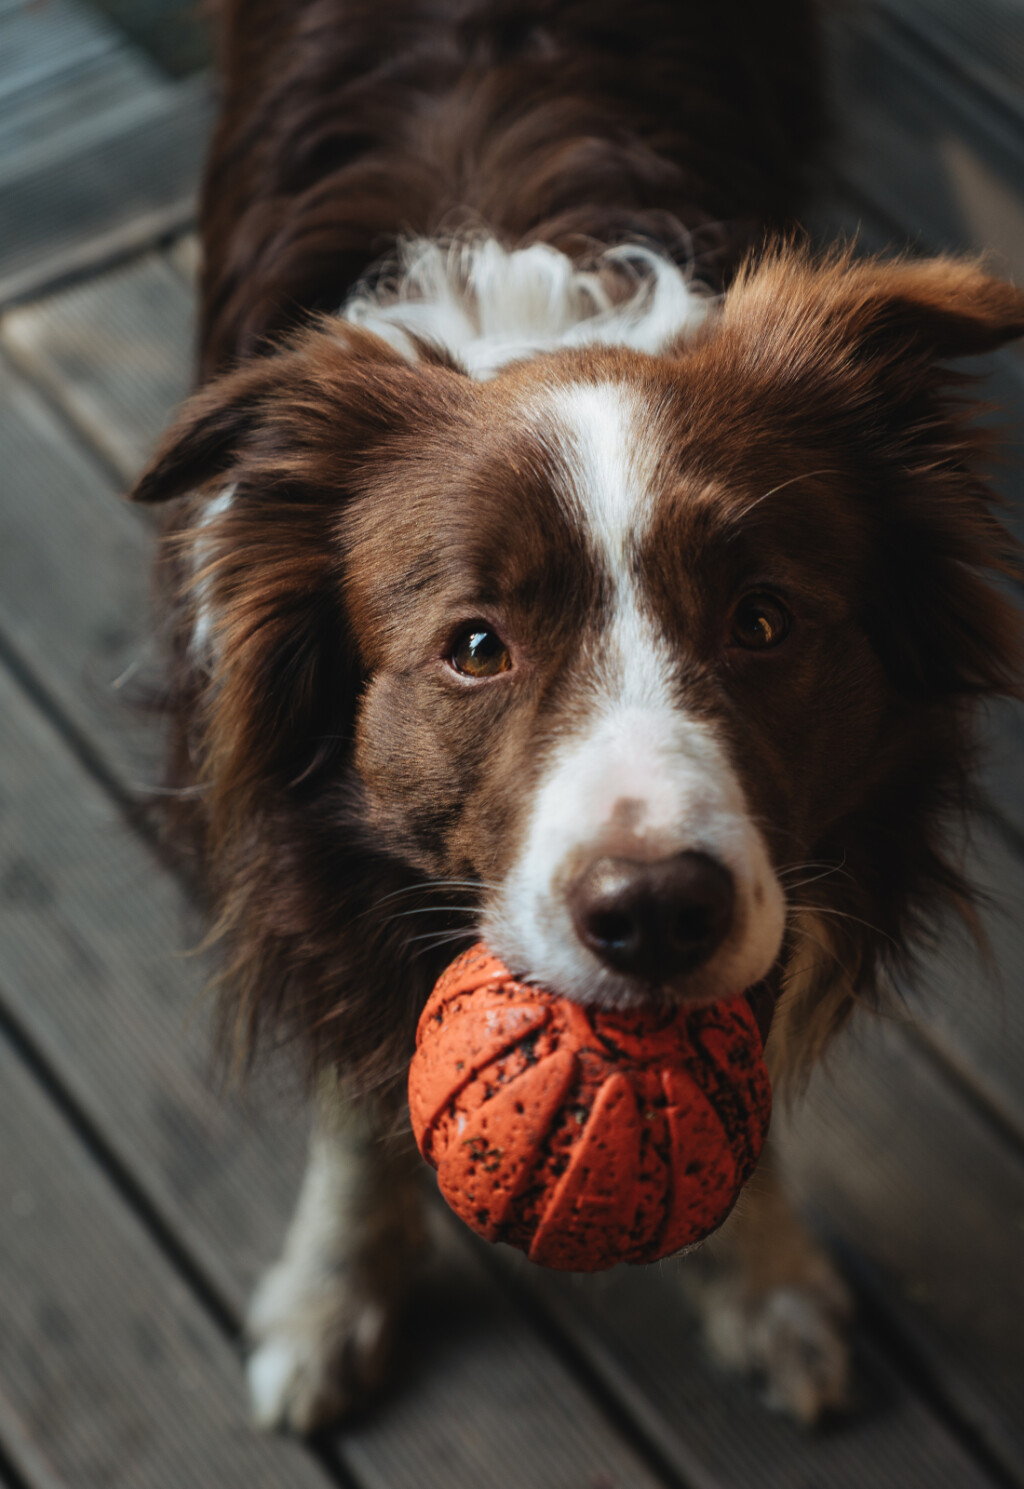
[653,921]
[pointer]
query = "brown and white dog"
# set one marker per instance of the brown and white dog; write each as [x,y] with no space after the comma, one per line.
[604,575]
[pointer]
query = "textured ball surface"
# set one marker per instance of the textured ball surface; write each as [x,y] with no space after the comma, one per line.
[582,1136]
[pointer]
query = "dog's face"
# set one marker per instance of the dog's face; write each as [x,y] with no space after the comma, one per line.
[613,659]
[625,650]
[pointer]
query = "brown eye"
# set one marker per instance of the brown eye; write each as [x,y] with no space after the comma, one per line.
[760,621]
[480,653]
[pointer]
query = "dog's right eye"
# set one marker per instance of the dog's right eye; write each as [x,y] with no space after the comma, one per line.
[479,653]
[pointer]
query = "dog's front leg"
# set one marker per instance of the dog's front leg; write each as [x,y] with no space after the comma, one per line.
[772,1303]
[321,1320]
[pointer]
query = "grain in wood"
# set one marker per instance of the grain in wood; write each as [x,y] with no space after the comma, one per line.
[911,1177]
[114,352]
[144,169]
[109,1367]
[74,581]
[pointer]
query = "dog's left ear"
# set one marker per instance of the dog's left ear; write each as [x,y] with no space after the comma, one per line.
[905,312]
[852,356]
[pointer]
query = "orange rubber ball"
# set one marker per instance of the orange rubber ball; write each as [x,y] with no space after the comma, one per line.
[585,1137]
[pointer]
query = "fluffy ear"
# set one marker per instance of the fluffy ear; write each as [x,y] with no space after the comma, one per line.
[240,412]
[847,358]
[204,441]
[270,455]
[894,310]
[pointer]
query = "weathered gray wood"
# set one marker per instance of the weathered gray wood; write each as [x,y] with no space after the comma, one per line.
[114,352]
[638,1332]
[975,1014]
[178,33]
[74,579]
[184,254]
[517,1417]
[40,42]
[984,40]
[95,961]
[91,967]
[141,171]
[933,155]
[107,1364]
[55,114]
[1003,762]
[897,1165]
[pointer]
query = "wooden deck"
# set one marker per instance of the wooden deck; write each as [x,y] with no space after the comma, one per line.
[137,1205]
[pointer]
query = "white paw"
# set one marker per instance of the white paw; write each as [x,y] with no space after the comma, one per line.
[790,1339]
[319,1348]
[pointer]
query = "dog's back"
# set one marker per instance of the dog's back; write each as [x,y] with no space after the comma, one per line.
[577,123]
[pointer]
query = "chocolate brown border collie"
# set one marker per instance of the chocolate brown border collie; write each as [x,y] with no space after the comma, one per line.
[563,555]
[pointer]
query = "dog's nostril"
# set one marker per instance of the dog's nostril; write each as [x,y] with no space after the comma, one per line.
[611,929]
[694,923]
[654,921]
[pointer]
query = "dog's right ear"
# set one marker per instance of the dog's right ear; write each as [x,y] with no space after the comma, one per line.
[204,441]
[270,455]
[272,400]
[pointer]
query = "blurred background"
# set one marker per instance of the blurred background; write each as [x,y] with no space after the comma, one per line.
[138,1202]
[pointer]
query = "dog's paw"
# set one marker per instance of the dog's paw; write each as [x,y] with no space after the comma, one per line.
[319,1348]
[791,1340]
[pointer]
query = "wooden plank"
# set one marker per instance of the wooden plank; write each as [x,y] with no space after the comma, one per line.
[1003,762]
[95,962]
[60,112]
[89,930]
[897,1165]
[185,255]
[115,352]
[519,1418]
[108,1367]
[931,154]
[40,42]
[984,40]
[74,580]
[178,33]
[143,170]
[637,1330]
[975,1015]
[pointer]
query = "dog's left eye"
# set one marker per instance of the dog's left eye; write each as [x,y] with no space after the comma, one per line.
[479,653]
[760,621]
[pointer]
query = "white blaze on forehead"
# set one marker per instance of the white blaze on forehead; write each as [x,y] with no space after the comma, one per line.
[642,777]
[608,446]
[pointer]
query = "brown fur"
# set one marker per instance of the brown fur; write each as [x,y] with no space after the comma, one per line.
[327,774]
[350,802]
[573,122]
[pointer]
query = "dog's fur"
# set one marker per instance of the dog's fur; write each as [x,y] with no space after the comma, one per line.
[593,403]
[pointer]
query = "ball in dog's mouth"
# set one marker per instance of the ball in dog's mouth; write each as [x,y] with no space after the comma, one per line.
[586,1137]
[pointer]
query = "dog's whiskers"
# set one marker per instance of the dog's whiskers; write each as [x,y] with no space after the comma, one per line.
[845,915]
[827,870]
[804,476]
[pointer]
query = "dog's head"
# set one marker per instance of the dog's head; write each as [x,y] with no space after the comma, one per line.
[655,669]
